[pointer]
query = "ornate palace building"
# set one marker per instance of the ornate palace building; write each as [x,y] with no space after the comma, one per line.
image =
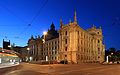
[74,44]
[78,45]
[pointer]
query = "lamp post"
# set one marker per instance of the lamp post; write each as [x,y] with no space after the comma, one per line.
[28,54]
[54,56]
[44,34]
[112,57]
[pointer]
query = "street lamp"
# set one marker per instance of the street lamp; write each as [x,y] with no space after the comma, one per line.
[44,34]
[111,53]
[28,48]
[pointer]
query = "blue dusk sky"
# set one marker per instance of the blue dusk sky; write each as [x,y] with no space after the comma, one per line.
[19,19]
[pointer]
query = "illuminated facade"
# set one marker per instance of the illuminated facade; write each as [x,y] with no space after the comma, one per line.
[77,45]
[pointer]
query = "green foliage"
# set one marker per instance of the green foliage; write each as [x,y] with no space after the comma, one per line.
[114,55]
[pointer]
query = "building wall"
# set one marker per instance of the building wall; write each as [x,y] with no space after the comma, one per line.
[35,48]
[6,44]
[78,45]
[50,49]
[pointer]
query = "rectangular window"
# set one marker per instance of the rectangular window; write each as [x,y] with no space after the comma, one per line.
[55,52]
[55,58]
[52,58]
[52,52]
[55,47]
[65,55]
[65,48]
[98,41]
[66,33]
[78,48]
[65,41]
[55,42]
[98,50]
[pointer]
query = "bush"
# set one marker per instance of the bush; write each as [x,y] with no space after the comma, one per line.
[117,62]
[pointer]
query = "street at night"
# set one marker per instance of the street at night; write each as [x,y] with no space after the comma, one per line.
[61,69]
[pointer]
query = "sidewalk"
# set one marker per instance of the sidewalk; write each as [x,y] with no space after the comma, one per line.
[5,65]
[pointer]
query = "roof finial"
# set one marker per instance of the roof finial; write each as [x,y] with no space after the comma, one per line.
[32,37]
[70,21]
[94,26]
[61,23]
[100,27]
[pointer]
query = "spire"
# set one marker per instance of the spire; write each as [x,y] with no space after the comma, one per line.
[52,27]
[38,36]
[32,37]
[70,21]
[100,28]
[93,26]
[75,17]
[61,23]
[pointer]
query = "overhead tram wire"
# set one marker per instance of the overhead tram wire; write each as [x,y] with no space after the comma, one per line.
[39,11]
[26,28]
[22,19]
[11,12]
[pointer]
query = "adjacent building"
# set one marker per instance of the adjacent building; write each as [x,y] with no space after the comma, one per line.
[51,44]
[22,51]
[35,48]
[6,44]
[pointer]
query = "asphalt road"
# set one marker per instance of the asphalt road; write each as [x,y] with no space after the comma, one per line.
[61,69]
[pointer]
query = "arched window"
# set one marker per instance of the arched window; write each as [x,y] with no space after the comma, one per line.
[65,41]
